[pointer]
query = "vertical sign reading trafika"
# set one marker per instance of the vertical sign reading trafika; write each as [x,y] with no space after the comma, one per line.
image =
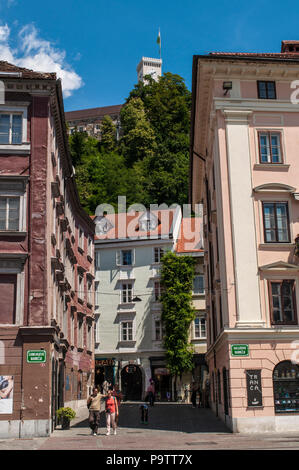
[254,388]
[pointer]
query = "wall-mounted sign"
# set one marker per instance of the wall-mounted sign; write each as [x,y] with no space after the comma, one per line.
[105,362]
[254,388]
[239,350]
[38,356]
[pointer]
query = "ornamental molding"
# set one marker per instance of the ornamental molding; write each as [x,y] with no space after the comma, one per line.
[274,187]
[279,266]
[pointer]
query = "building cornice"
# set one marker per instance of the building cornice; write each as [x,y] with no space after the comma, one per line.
[241,335]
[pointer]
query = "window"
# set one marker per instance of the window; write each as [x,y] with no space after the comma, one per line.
[127,331]
[97,329]
[126,293]
[158,253]
[97,293]
[81,239]
[8,292]
[72,329]
[65,317]
[10,128]
[90,247]
[159,330]
[276,222]
[81,286]
[89,337]
[286,386]
[270,147]
[80,334]
[199,327]
[9,213]
[13,204]
[266,90]
[157,291]
[198,284]
[283,302]
[89,293]
[126,256]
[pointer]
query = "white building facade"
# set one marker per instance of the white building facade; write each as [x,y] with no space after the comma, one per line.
[129,332]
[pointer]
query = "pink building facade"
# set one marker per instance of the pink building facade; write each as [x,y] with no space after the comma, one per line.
[244,168]
[46,261]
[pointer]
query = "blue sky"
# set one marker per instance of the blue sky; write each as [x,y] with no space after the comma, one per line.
[95,45]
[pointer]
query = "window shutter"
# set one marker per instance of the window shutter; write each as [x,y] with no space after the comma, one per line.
[133,257]
[118,254]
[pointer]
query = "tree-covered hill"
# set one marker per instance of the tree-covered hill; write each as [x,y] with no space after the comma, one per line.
[149,163]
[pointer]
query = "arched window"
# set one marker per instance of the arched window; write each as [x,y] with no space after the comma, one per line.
[286,387]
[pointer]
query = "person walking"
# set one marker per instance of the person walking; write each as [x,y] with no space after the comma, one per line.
[151,393]
[94,406]
[111,412]
[118,395]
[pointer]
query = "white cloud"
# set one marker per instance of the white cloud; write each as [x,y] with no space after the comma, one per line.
[40,55]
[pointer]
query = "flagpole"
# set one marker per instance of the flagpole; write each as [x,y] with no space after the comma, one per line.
[159,42]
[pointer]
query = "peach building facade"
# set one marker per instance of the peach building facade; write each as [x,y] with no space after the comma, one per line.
[244,168]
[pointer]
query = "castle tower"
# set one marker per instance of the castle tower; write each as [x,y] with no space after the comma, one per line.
[149,66]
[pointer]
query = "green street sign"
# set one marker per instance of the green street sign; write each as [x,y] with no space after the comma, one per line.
[239,350]
[39,356]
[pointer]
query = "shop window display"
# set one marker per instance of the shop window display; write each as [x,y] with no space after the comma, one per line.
[286,387]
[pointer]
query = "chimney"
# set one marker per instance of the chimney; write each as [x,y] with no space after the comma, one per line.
[290,47]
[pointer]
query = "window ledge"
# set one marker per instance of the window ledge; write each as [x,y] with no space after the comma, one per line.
[276,245]
[129,343]
[277,166]
[13,149]
[12,233]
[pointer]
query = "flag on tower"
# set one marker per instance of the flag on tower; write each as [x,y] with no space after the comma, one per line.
[159,42]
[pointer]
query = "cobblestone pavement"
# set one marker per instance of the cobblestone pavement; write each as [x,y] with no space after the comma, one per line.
[171,427]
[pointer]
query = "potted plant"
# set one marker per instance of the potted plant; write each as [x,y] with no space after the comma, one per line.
[64,416]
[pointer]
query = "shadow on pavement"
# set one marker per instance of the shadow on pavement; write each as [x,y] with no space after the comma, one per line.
[165,417]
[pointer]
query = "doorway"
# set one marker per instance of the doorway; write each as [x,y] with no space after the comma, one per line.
[131,382]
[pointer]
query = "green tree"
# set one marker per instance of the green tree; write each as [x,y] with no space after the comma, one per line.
[138,139]
[177,311]
[167,105]
[108,135]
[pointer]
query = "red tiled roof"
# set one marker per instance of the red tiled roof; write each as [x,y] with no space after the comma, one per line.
[190,239]
[26,73]
[126,226]
[92,112]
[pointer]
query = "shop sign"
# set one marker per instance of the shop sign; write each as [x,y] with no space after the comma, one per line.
[254,388]
[239,350]
[105,362]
